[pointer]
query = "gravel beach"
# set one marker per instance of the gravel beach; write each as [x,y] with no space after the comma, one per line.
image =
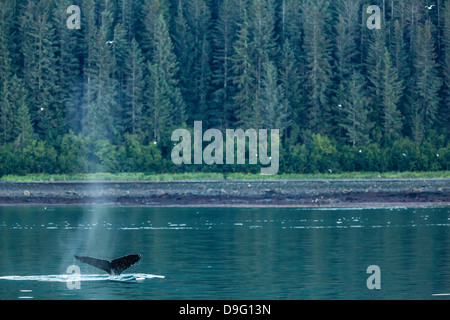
[240,193]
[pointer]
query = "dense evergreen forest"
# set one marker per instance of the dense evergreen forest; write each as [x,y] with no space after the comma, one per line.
[106,97]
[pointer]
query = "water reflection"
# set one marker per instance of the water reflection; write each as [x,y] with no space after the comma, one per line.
[225,253]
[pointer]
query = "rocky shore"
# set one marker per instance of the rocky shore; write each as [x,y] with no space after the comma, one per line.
[288,193]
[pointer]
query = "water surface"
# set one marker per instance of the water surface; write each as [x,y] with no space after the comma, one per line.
[226,253]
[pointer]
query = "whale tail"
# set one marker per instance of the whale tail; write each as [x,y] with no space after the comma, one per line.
[114,267]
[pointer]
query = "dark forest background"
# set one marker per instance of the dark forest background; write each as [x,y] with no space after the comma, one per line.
[107,97]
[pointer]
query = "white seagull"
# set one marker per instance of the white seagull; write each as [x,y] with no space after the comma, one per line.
[429,7]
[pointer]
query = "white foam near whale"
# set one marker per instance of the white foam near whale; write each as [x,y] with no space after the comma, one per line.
[84,277]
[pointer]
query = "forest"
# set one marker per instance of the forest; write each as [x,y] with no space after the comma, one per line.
[106,97]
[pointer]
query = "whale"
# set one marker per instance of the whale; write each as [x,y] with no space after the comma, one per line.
[114,267]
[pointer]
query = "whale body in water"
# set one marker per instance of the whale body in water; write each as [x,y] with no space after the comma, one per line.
[114,267]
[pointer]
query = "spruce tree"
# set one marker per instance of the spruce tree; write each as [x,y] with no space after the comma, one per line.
[102,86]
[134,89]
[6,23]
[166,104]
[444,111]
[426,100]
[273,105]
[317,64]
[346,37]
[356,110]
[391,92]
[198,18]
[290,81]
[6,68]
[183,48]
[40,73]
[347,56]
[374,67]
[67,44]
[244,78]
[263,39]
[7,108]
[223,40]
[151,10]
[289,16]
[23,132]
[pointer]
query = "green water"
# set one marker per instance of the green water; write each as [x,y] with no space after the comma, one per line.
[227,253]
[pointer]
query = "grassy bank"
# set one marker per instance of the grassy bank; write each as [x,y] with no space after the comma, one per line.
[220,176]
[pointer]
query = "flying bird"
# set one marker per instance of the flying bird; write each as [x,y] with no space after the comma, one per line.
[109,42]
[429,7]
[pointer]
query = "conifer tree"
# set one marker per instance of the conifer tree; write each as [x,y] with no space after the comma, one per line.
[445,106]
[23,132]
[346,37]
[263,40]
[6,107]
[317,64]
[224,37]
[427,84]
[347,56]
[6,16]
[151,10]
[40,73]
[102,86]
[67,44]
[272,102]
[374,67]
[183,49]
[290,20]
[134,88]
[244,78]
[90,64]
[290,81]
[166,105]
[356,110]
[391,92]
[197,101]
[138,69]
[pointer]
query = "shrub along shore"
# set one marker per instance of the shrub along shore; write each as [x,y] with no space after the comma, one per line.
[140,176]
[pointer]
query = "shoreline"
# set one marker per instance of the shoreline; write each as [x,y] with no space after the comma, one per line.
[327,193]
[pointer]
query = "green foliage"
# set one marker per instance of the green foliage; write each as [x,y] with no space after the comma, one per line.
[320,154]
[107,97]
[317,64]
[73,156]
[425,100]
[356,111]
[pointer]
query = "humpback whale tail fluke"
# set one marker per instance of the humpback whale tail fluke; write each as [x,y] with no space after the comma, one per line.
[114,267]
